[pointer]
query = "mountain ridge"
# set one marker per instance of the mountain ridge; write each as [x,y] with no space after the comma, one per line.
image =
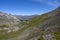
[25,18]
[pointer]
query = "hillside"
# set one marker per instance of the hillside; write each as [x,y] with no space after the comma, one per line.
[43,27]
[8,24]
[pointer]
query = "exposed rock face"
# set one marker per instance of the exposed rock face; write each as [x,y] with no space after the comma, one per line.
[7,23]
[7,18]
[49,37]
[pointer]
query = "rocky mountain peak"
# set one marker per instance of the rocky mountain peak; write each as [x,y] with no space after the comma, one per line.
[8,18]
[2,13]
[8,22]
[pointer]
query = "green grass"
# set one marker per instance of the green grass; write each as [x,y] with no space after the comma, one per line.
[38,20]
[2,26]
[14,34]
[57,35]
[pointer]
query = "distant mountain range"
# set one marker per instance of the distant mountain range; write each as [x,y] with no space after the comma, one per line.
[26,17]
[38,27]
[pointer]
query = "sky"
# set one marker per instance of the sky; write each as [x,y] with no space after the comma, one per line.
[28,7]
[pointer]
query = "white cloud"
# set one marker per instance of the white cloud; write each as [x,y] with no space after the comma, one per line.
[49,2]
[53,3]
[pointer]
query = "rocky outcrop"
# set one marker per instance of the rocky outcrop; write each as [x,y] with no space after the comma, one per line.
[7,18]
[8,24]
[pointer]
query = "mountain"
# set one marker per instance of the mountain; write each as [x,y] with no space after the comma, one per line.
[7,18]
[8,24]
[43,27]
[24,18]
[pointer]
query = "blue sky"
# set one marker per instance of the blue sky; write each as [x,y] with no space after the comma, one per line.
[28,7]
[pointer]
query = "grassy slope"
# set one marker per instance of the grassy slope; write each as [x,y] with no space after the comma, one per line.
[33,22]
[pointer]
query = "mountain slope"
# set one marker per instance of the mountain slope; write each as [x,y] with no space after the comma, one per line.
[7,18]
[8,24]
[43,27]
